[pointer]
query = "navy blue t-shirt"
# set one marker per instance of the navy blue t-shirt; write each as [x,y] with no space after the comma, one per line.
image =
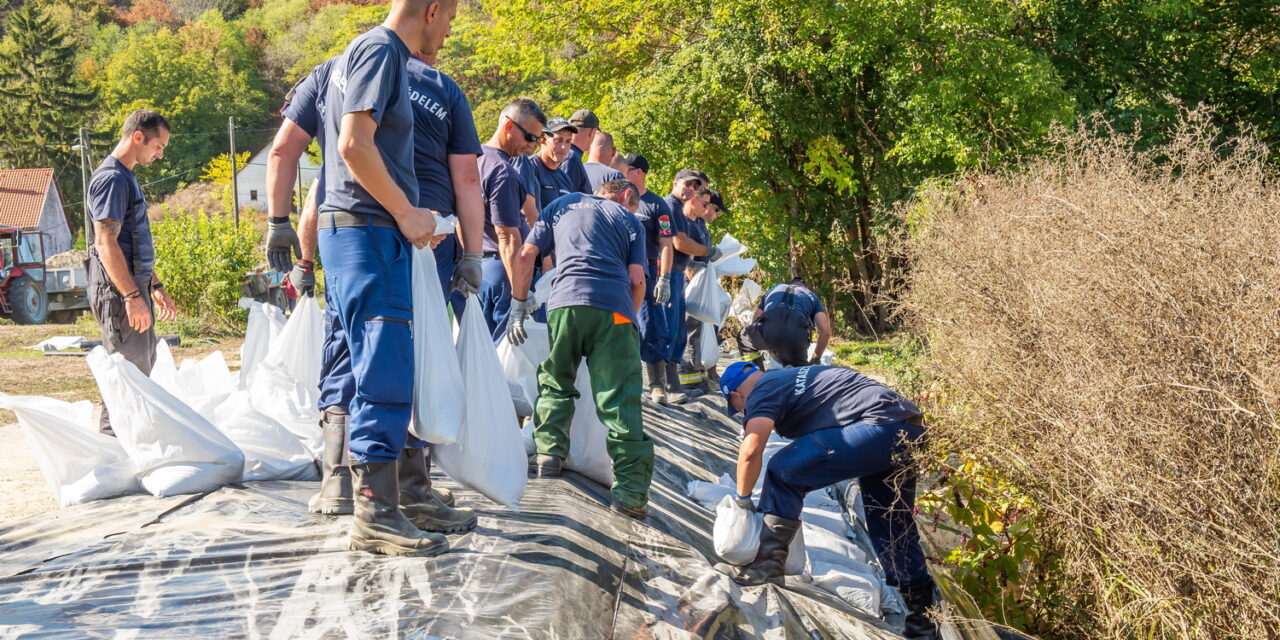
[655,216]
[594,240]
[806,302]
[699,233]
[598,174]
[371,75]
[807,399]
[575,168]
[442,126]
[549,184]
[114,194]
[306,101]
[681,225]
[503,195]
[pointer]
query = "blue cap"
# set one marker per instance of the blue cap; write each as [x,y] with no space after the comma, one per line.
[734,375]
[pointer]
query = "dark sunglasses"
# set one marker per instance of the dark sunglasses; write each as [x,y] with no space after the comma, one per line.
[695,183]
[528,137]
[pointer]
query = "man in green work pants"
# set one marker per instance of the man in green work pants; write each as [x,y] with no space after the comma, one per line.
[599,249]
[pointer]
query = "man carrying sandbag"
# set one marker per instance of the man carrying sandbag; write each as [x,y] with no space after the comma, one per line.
[843,426]
[123,286]
[688,199]
[694,377]
[599,249]
[783,322]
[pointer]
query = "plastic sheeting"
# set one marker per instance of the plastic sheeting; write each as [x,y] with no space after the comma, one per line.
[249,561]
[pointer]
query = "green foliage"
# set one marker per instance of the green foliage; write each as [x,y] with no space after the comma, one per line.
[219,173]
[202,259]
[894,359]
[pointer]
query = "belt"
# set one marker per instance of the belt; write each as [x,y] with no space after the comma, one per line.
[491,254]
[343,219]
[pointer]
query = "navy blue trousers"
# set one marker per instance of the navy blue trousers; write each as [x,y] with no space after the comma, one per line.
[651,319]
[677,335]
[495,296]
[865,452]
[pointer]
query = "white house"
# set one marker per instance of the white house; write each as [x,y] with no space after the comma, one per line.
[252,179]
[29,199]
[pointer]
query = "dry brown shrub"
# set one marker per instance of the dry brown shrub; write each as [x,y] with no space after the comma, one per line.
[1106,325]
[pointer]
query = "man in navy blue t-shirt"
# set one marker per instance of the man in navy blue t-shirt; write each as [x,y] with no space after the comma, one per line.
[542,170]
[600,256]
[689,197]
[843,426]
[369,222]
[783,322]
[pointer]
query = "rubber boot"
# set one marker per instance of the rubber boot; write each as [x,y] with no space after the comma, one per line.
[675,395]
[635,512]
[420,505]
[442,494]
[919,598]
[334,497]
[656,377]
[542,465]
[379,525]
[771,559]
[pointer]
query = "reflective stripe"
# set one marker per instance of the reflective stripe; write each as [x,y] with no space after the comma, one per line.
[693,377]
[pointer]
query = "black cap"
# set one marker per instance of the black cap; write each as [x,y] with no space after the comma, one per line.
[693,174]
[584,118]
[558,124]
[636,161]
[718,202]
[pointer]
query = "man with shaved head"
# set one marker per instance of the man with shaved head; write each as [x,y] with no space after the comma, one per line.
[599,159]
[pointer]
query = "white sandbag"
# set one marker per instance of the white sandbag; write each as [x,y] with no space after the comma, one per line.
[542,288]
[299,348]
[743,306]
[827,356]
[824,545]
[265,324]
[58,343]
[437,384]
[858,589]
[271,452]
[520,364]
[588,454]
[735,266]
[488,455]
[736,534]
[709,494]
[704,298]
[164,370]
[708,347]
[277,395]
[176,450]
[207,377]
[78,463]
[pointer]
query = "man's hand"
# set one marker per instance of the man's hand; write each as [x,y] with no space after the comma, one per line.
[662,290]
[695,266]
[139,314]
[165,309]
[744,502]
[281,239]
[303,277]
[520,310]
[418,225]
[468,275]
[713,254]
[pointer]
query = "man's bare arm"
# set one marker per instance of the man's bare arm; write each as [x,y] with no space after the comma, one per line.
[523,273]
[508,248]
[636,272]
[308,223]
[688,246]
[666,256]
[112,258]
[468,201]
[282,167]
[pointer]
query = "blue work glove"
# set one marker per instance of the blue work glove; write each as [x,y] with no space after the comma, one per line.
[468,274]
[520,311]
[713,254]
[281,239]
[303,277]
[744,502]
[662,290]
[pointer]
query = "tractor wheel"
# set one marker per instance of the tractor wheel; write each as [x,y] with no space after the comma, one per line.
[28,301]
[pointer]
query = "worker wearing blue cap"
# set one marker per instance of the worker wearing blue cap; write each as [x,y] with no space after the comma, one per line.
[843,425]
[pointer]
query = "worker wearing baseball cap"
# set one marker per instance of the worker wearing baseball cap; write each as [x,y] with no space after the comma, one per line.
[688,199]
[696,379]
[843,426]
[542,170]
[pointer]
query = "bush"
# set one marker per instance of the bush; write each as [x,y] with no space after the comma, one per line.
[1103,328]
[202,259]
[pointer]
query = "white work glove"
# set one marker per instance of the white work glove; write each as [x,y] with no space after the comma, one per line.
[468,274]
[281,239]
[520,311]
[662,290]
[713,254]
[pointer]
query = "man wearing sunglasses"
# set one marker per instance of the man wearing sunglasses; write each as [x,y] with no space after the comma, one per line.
[503,193]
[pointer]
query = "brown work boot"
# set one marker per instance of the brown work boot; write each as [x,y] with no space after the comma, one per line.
[635,512]
[379,526]
[420,505]
[334,497]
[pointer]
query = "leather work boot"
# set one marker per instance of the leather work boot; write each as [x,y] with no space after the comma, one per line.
[656,393]
[379,525]
[919,598]
[442,494]
[635,512]
[419,503]
[542,465]
[674,393]
[771,559]
[334,497]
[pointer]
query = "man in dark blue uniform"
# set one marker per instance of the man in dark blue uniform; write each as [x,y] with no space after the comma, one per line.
[124,290]
[599,162]
[783,322]
[542,171]
[504,194]
[843,426]
[368,224]
[689,197]
[694,377]
[655,333]
[588,126]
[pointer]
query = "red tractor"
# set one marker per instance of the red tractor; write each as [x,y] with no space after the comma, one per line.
[22,291]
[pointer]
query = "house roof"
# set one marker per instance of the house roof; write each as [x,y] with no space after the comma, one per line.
[22,194]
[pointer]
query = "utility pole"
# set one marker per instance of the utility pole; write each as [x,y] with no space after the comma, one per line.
[235,182]
[83,148]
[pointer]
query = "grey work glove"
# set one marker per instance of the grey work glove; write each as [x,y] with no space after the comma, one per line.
[744,503]
[281,239]
[520,311]
[467,276]
[662,290]
[303,277]
[713,254]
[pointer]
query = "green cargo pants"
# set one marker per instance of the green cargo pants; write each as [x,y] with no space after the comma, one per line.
[612,350]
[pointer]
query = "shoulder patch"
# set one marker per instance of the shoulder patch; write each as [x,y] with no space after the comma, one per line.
[664,223]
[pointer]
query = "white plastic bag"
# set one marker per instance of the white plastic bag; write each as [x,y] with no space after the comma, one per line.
[744,303]
[275,394]
[271,452]
[704,298]
[78,463]
[736,533]
[542,289]
[176,450]
[708,346]
[520,364]
[265,324]
[299,348]
[488,455]
[437,385]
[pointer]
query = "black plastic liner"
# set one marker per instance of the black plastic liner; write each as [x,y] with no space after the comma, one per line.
[249,561]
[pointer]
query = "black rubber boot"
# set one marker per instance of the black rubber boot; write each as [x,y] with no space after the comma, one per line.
[919,598]
[542,465]
[675,394]
[334,497]
[656,382]
[420,505]
[379,525]
[771,560]
[442,494]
